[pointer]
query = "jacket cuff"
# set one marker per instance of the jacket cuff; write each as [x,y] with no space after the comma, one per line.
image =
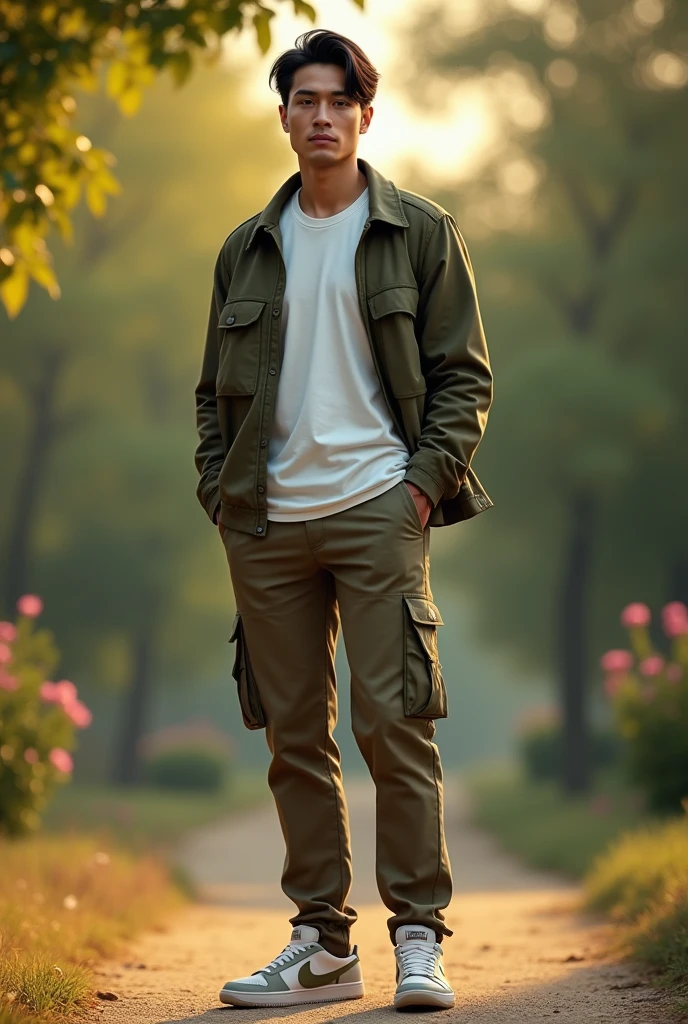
[427,484]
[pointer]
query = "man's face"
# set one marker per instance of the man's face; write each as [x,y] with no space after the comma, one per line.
[324,124]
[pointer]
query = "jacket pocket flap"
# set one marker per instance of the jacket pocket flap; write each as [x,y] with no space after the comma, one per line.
[234,632]
[240,312]
[402,299]
[423,611]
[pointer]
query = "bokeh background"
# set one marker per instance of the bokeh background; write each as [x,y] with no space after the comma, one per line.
[554,131]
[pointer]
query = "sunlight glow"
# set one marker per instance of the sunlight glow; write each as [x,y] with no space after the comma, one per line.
[451,137]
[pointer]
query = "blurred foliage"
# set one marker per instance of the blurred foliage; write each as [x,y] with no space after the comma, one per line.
[642,881]
[102,490]
[540,747]
[532,821]
[37,726]
[192,768]
[650,705]
[577,226]
[51,49]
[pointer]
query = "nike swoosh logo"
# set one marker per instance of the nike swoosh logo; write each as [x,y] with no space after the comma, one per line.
[310,980]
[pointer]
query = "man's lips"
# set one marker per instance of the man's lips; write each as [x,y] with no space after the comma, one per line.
[322,138]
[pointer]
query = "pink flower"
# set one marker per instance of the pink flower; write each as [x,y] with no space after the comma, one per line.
[79,713]
[31,755]
[613,683]
[7,682]
[616,661]
[5,654]
[675,619]
[8,632]
[49,692]
[674,672]
[651,666]
[30,605]
[635,615]
[62,759]
[66,691]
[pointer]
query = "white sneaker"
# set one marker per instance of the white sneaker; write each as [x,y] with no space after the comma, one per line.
[421,980]
[303,972]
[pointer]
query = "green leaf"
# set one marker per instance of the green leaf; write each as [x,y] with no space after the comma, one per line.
[180,65]
[261,22]
[301,7]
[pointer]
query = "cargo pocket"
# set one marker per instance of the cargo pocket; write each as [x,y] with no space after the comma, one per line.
[249,699]
[425,695]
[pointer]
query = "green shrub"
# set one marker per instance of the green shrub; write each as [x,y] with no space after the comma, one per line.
[188,768]
[38,721]
[649,695]
[540,746]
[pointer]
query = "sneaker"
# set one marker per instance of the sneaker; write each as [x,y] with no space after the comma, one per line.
[421,980]
[303,972]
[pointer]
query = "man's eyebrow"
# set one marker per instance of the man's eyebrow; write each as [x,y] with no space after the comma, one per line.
[312,92]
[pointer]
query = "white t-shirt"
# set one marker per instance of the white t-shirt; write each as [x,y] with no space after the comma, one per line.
[333,443]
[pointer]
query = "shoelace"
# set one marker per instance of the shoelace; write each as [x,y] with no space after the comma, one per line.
[417,958]
[287,954]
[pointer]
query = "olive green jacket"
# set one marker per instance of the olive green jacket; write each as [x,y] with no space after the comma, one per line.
[419,306]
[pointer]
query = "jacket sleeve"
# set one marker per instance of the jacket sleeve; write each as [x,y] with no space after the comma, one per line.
[209,456]
[455,364]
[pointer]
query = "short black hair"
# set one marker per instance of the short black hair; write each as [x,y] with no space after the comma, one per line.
[319,46]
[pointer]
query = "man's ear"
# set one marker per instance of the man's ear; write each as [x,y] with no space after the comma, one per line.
[283,117]
[366,118]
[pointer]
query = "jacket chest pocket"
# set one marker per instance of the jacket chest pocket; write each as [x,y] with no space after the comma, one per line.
[393,313]
[241,325]
[425,695]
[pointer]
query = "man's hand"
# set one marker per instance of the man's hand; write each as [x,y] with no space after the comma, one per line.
[423,503]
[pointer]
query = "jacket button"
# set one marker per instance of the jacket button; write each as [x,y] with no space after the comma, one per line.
[263,442]
[275,311]
[259,529]
[261,489]
[230,319]
[272,370]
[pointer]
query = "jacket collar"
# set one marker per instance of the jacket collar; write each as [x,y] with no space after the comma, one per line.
[384,200]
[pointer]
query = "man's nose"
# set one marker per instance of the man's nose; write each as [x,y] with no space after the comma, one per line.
[322,115]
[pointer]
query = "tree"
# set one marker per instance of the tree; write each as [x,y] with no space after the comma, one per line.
[133,580]
[49,49]
[579,214]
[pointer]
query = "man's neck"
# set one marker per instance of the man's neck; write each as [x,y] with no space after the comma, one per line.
[326,191]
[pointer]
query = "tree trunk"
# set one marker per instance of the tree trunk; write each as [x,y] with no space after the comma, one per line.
[43,432]
[573,647]
[127,770]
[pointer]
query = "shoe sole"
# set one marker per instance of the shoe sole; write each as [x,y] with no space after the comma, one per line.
[323,994]
[407,1000]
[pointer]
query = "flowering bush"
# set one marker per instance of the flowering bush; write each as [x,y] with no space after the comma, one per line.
[38,720]
[649,694]
[191,755]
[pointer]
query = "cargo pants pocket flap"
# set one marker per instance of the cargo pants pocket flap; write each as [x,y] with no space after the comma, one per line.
[249,699]
[425,694]
[424,611]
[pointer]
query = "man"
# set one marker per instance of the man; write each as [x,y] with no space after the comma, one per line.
[345,387]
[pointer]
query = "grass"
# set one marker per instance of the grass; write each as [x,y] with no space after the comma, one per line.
[82,887]
[532,820]
[65,902]
[145,818]
[642,882]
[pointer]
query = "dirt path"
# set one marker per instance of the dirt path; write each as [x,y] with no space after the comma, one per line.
[519,953]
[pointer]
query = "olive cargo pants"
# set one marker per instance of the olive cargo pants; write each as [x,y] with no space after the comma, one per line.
[369,566]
